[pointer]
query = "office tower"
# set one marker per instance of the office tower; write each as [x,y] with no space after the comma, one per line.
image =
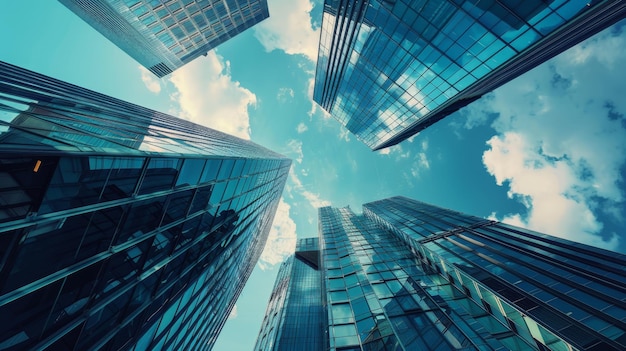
[164,35]
[295,316]
[122,228]
[405,275]
[388,69]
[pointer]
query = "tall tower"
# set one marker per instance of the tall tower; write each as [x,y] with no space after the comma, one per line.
[388,69]
[122,228]
[295,315]
[406,275]
[165,35]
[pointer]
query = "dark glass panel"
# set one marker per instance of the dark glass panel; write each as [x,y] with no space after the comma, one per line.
[125,172]
[201,199]
[100,323]
[23,183]
[46,249]
[68,341]
[160,175]
[74,296]
[177,206]
[100,231]
[190,230]
[141,218]
[161,246]
[76,182]
[23,320]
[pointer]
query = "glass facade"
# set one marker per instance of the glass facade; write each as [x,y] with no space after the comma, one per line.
[164,35]
[388,69]
[122,228]
[406,275]
[295,316]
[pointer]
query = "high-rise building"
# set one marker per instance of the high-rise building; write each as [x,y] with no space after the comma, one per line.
[388,69]
[122,228]
[164,35]
[295,316]
[405,275]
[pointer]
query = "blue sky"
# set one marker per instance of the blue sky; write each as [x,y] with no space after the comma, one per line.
[546,151]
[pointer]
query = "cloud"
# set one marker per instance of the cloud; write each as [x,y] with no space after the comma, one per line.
[284,94]
[314,199]
[233,313]
[315,108]
[289,28]
[295,148]
[419,159]
[561,141]
[301,128]
[207,95]
[281,241]
[397,151]
[420,162]
[151,82]
[344,133]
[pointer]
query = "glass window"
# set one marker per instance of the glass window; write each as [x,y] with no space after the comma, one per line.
[218,191]
[338,296]
[336,284]
[177,206]
[201,199]
[160,175]
[190,172]
[45,249]
[341,313]
[225,170]
[344,330]
[141,218]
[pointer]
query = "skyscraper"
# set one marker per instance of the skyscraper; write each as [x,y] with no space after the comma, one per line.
[122,228]
[388,69]
[406,275]
[164,35]
[295,316]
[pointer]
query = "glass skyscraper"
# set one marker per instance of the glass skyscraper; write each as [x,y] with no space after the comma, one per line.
[122,228]
[405,275]
[164,35]
[388,69]
[295,316]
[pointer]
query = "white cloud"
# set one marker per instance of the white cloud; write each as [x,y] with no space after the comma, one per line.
[301,128]
[344,133]
[233,313]
[295,148]
[150,80]
[562,140]
[315,108]
[281,241]
[284,94]
[289,28]
[207,95]
[419,161]
[314,199]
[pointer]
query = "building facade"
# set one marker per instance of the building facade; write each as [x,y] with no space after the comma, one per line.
[388,69]
[122,228]
[406,275]
[164,35]
[295,314]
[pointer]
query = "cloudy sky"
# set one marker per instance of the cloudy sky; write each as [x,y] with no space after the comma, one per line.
[546,151]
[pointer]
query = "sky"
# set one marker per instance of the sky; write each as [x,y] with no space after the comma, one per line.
[546,151]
